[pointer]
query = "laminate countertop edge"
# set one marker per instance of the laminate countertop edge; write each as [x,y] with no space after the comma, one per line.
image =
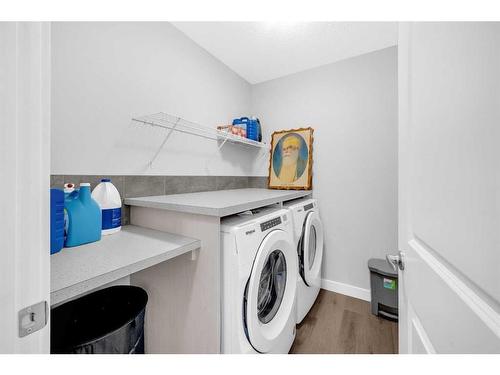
[116,256]
[218,203]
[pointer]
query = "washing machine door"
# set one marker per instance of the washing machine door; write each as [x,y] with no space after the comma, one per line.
[270,295]
[311,254]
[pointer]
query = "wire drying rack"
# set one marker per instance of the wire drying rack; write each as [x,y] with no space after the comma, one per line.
[178,124]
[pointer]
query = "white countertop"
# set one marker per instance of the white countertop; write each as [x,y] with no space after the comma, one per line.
[76,270]
[218,203]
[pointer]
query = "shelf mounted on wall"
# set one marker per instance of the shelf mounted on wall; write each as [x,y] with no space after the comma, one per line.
[178,124]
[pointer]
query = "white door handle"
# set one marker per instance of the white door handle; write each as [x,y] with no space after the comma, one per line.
[396,261]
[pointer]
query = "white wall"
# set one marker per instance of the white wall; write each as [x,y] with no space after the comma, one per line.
[352,105]
[106,73]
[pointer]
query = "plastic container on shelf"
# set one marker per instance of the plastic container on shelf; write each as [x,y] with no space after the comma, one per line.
[110,202]
[241,122]
[83,217]
[254,131]
[56,220]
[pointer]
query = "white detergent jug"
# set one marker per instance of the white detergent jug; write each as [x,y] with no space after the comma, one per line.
[108,198]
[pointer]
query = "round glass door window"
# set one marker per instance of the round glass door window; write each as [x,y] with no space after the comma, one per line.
[312,246]
[271,286]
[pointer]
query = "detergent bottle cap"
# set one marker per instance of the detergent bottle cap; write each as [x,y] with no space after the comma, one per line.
[69,187]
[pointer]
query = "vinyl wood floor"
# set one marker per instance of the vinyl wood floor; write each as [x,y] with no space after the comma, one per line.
[341,324]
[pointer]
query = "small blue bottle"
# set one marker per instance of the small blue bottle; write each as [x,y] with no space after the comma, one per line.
[83,217]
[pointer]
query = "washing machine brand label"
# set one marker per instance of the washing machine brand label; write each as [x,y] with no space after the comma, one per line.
[250,232]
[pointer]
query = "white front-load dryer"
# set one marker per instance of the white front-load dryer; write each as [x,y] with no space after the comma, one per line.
[308,237]
[259,282]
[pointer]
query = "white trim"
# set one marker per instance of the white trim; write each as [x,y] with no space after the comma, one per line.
[346,289]
[472,299]
[424,339]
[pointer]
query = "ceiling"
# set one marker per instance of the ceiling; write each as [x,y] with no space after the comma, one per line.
[261,51]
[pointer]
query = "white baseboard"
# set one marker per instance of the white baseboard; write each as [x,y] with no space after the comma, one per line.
[348,290]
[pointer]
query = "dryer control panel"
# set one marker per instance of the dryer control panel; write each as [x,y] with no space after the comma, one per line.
[270,223]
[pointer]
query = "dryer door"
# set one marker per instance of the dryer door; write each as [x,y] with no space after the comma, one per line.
[270,296]
[312,250]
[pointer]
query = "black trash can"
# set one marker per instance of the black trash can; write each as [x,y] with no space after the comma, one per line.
[108,321]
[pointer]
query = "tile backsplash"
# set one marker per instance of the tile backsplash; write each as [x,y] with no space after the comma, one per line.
[141,186]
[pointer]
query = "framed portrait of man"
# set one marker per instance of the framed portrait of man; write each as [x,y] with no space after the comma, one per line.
[291,159]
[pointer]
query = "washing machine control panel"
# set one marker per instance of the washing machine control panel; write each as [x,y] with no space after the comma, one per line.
[308,206]
[270,223]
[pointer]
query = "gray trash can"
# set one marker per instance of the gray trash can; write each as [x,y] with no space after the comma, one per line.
[384,289]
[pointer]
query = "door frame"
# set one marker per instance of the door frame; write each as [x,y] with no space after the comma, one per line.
[25,63]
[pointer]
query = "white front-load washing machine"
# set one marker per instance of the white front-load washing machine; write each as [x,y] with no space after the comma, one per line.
[308,237]
[259,282]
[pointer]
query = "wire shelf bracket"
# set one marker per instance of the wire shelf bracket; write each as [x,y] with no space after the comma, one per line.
[178,124]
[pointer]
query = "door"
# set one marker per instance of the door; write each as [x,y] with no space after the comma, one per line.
[270,296]
[24,184]
[449,187]
[311,253]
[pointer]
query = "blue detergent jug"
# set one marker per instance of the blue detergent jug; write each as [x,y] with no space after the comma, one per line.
[83,217]
[56,220]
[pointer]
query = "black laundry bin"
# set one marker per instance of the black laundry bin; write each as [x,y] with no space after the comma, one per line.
[108,321]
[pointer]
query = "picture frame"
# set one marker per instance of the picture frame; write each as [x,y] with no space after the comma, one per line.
[290,160]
